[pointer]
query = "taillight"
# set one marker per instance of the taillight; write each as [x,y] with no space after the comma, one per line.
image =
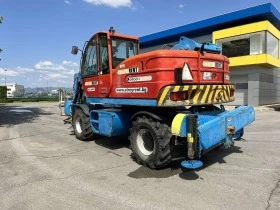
[208,75]
[178,96]
[231,92]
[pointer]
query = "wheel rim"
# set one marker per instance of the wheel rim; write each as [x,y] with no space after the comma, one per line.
[145,142]
[78,126]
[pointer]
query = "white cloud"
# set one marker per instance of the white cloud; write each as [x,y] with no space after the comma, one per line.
[49,66]
[71,72]
[55,74]
[181,6]
[112,3]
[136,5]
[8,72]
[60,82]
[69,63]
[60,76]
[67,2]
[24,70]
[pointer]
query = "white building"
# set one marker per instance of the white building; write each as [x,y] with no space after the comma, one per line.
[54,91]
[14,90]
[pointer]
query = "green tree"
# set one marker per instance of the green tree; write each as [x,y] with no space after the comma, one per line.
[3,92]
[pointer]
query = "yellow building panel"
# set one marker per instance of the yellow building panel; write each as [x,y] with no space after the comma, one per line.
[240,30]
[273,30]
[252,28]
[264,59]
[272,61]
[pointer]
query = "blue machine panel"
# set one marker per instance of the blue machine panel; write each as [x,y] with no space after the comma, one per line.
[67,107]
[213,131]
[110,122]
[188,44]
[212,128]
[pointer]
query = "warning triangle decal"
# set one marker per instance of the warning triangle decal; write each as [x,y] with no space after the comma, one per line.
[186,74]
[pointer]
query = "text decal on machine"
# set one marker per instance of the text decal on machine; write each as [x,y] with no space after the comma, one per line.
[132,90]
[139,79]
[128,71]
[89,83]
[91,89]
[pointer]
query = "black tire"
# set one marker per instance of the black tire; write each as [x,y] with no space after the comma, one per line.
[82,128]
[150,143]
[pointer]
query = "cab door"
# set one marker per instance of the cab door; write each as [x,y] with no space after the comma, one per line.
[104,67]
[89,68]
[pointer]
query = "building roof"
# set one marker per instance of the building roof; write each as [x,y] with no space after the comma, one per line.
[250,15]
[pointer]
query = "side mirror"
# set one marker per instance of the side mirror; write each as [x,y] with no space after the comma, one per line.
[74,50]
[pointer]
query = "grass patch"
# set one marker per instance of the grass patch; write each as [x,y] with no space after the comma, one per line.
[11,100]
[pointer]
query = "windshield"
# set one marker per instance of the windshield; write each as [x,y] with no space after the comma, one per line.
[122,49]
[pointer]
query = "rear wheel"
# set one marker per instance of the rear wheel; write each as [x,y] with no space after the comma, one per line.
[150,142]
[82,128]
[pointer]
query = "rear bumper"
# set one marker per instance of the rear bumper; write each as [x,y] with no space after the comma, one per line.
[197,95]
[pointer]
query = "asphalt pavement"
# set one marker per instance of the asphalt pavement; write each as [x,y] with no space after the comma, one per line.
[43,166]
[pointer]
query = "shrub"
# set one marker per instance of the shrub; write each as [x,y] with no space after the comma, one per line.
[5,100]
[10,100]
[3,92]
[29,99]
[16,99]
[48,99]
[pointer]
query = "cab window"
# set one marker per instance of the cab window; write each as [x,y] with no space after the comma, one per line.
[89,63]
[104,61]
[122,49]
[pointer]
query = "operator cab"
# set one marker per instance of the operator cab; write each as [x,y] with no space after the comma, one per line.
[105,51]
[101,54]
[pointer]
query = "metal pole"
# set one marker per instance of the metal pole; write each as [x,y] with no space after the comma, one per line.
[5,77]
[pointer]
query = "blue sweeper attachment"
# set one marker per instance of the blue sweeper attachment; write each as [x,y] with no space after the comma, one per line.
[205,130]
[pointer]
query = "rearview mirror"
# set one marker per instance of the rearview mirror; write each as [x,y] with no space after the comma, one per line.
[75,50]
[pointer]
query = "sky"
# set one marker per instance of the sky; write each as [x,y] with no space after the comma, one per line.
[37,35]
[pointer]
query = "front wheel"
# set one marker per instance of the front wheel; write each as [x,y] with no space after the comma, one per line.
[82,128]
[150,142]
